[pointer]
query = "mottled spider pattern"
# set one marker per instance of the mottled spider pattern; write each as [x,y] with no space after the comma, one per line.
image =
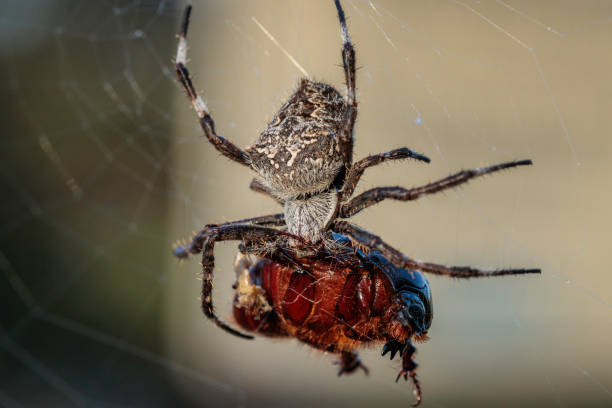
[298,152]
[306,273]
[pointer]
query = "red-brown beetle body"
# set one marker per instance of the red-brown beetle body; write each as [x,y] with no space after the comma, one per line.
[336,301]
[331,307]
[333,303]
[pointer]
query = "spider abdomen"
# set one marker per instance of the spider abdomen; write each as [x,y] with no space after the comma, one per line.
[298,152]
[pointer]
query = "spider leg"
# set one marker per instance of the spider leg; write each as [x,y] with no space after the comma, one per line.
[348,61]
[349,362]
[356,171]
[376,195]
[224,146]
[260,188]
[205,242]
[195,246]
[374,242]
[272,220]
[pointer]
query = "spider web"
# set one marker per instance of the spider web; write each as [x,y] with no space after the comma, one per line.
[104,166]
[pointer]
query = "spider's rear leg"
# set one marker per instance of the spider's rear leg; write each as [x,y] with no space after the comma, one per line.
[223,145]
[374,242]
[205,242]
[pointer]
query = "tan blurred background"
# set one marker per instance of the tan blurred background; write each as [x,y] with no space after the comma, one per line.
[468,83]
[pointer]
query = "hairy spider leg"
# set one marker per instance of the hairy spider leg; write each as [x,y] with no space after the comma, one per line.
[378,194]
[272,220]
[356,171]
[205,241]
[194,247]
[224,146]
[348,62]
[257,187]
[374,242]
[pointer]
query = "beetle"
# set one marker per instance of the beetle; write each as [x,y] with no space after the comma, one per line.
[337,302]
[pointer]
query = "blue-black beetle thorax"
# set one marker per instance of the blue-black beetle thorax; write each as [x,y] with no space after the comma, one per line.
[411,286]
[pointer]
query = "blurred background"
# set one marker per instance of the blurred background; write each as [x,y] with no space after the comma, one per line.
[103,167]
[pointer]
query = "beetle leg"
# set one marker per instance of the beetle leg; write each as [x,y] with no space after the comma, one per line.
[349,362]
[394,347]
[409,367]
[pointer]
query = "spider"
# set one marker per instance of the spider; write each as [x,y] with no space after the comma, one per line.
[309,262]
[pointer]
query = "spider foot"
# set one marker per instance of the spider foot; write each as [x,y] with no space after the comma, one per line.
[349,362]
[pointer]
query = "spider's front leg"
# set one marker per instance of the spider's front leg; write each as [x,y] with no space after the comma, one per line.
[223,145]
[374,242]
[205,242]
[356,171]
[378,194]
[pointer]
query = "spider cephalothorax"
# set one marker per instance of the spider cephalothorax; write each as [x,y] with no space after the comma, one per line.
[322,273]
